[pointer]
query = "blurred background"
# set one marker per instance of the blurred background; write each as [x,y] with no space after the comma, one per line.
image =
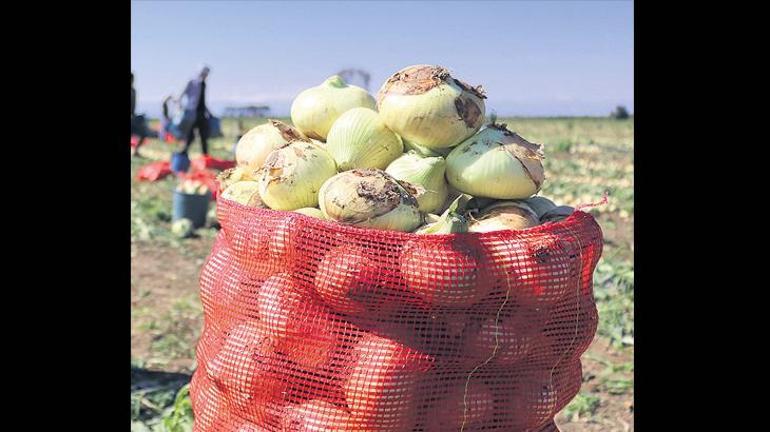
[560,73]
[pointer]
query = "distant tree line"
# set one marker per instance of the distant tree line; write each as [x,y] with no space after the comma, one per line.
[620,113]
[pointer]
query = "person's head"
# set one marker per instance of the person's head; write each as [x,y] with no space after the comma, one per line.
[204,72]
[132,78]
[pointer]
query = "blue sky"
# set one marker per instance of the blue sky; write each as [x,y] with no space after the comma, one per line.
[532,57]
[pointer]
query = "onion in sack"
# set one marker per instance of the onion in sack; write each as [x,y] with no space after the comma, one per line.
[496,163]
[257,143]
[426,106]
[540,275]
[248,427]
[345,277]
[244,192]
[299,326]
[315,110]
[369,198]
[464,407]
[381,389]
[540,205]
[208,403]
[427,172]
[311,211]
[292,175]
[359,139]
[317,416]
[446,273]
[245,369]
[506,215]
[533,401]
[507,340]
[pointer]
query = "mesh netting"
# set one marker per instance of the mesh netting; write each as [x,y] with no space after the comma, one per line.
[316,326]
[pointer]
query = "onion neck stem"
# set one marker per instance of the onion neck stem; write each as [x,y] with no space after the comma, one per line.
[335,81]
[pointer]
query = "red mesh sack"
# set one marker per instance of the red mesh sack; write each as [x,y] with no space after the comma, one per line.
[311,325]
[153,171]
[206,162]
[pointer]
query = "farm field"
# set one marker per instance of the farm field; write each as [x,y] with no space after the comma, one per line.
[584,158]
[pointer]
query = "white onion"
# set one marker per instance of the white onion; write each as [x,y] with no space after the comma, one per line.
[359,139]
[427,172]
[370,199]
[292,175]
[257,143]
[496,163]
[426,106]
[314,110]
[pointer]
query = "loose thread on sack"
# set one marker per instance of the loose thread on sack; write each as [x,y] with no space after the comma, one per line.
[577,318]
[494,352]
[605,200]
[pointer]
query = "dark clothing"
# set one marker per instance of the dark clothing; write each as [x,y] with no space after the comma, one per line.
[201,123]
[133,101]
[201,108]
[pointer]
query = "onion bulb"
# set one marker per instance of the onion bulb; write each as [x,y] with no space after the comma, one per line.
[310,211]
[231,176]
[257,143]
[450,273]
[359,139]
[293,174]
[496,163]
[315,110]
[506,215]
[316,415]
[426,106]
[466,406]
[369,198]
[540,205]
[244,192]
[427,172]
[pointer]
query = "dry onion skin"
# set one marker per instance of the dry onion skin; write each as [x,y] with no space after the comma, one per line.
[496,163]
[315,110]
[254,146]
[359,139]
[507,215]
[244,192]
[427,107]
[292,175]
[369,198]
[427,172]
[231,176]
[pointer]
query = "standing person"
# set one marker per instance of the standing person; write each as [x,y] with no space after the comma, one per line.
[166,120]
[195,106]
[137,122]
